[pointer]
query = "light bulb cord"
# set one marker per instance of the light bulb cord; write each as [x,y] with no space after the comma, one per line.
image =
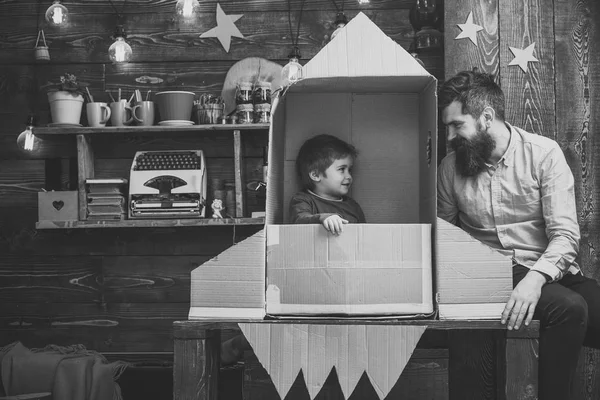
[338,9]
[119,15]
[39,11]
[33,105]
[295,42]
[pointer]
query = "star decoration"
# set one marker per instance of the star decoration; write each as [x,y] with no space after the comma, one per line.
[469,29]
[523,56]
[225,28]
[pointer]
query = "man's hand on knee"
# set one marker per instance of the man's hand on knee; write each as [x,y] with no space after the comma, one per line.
[523,300]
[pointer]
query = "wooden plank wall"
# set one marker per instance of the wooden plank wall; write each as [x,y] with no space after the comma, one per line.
[558,97]
[118,290]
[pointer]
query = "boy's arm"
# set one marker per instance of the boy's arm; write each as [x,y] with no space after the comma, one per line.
[301,212]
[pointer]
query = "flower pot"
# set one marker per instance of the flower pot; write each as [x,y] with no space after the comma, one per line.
[65,107]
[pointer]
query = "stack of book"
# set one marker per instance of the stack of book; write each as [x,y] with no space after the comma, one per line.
[106,199]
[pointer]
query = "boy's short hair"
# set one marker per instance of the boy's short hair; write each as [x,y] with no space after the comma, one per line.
[318,153]
[475,91]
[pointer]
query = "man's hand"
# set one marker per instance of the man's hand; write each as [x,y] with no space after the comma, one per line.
[334,224]
[523,300]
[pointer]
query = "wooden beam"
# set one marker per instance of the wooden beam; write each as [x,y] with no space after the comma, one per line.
[85,163]
[196,365]
[462,54]
[238,174]
[529,95]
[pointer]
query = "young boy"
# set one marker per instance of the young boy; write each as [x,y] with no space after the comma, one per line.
[324,166]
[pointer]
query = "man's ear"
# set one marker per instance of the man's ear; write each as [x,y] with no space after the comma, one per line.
[314,175]
[488,116]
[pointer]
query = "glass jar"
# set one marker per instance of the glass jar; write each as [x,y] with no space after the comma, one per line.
[262,113]
[262,93]
[245,113]
[244,93]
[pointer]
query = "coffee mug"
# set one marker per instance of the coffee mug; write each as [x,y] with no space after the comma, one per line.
[143,113]
[98,114]
[120,113]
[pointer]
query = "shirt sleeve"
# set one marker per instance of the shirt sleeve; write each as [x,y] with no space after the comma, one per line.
[301,211]
[362,219]
[360,213]
[447,208]
[560,215]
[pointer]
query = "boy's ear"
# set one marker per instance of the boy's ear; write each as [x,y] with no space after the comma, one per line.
[314,175]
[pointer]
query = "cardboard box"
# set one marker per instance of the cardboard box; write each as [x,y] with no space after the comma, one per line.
[383,102]
[231,285]
[473,281]
[58,206]
[367,270]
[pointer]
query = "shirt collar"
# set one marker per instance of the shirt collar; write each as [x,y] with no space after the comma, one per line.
[509,155]
[321,197]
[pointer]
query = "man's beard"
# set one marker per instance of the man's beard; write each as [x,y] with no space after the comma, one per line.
[472,154]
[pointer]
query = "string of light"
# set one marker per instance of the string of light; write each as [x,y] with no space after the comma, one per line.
[120,51]
[292,72]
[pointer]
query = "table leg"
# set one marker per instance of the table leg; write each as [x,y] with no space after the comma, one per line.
[197,355]
[471,369]
[521,369]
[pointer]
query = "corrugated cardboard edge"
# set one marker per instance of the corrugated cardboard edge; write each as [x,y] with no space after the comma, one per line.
[248,254]
[198,313]
[382,351]
[471,311]
[450,258]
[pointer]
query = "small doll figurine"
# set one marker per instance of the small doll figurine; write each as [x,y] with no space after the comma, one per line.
[217,207]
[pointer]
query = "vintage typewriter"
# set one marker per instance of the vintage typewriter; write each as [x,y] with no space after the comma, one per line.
[167,184]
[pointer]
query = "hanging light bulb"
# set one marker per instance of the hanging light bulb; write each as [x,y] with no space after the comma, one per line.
[26,140]
[120,51]
[186,8]
[340,21]
[292,72]
[57,13]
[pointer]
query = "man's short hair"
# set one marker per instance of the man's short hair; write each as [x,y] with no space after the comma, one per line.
[475,91]
[318,153]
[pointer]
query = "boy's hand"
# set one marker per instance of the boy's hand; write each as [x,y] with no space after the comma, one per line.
[334,224]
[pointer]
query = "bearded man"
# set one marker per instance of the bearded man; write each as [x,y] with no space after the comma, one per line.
[513,191]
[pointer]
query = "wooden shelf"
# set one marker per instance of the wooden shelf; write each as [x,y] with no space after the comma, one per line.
[85,170]
[84,130]
[148,223]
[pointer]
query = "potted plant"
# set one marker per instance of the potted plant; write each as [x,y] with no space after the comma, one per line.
[66,99]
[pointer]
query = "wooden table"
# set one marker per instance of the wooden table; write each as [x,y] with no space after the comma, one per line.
[197,355]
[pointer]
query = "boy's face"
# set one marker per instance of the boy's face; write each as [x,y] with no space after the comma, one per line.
[336,181]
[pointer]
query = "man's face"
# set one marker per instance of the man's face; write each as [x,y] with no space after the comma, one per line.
[469,138]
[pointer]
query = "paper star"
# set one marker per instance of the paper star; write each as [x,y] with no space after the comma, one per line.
[469,29]
[523,56]
[225,28]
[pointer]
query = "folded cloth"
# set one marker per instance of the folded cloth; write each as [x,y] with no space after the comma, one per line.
[68,372]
